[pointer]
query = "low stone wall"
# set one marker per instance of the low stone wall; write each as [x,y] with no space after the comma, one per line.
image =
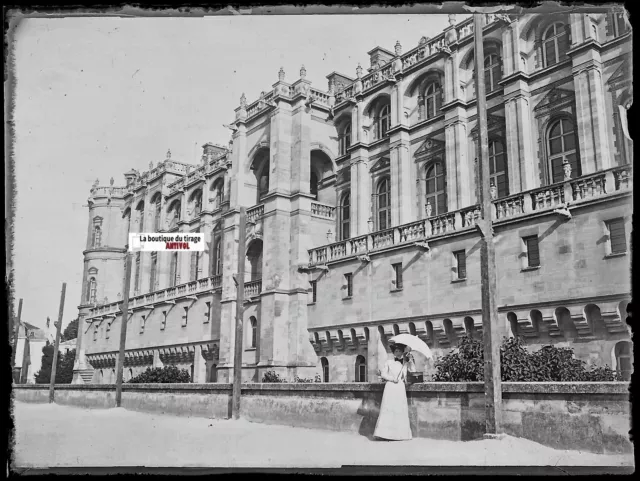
[592,417]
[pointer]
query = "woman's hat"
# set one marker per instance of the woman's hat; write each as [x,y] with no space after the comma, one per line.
[398,346]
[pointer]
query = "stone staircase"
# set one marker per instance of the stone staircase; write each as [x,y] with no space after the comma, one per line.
[86,375]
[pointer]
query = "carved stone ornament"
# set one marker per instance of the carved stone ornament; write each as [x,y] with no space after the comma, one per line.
[150,165]
[429,208]
[359,71]
[243,101]
[566,167]
[168,154]
[398,48]
[281,74]
[493,191]
[111,181]
[303,72]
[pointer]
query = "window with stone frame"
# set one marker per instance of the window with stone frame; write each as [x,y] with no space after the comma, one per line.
[617,236]
[345,217]
[532,250]
[136,279]
[562,146]
[555,43]
[92,291]
[498,168]
[254,332]
[435,189]
[173,270]
[344,137]
[153,272]
[140,216]
[313,183]
[127,223]
[196,203]
[430,101]
[492,69]
[381,119]
[617,24]
[314,291]
[324,363]
[217,194]
[623,358]
[157,212]
[383,204]
[361,369]
[173,214]
[460,259]
[217,256]
[97,237]
[195,264]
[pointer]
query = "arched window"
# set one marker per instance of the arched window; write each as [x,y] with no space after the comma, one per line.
[313,184]
[498,168]
[562,145]
[345,217]
[97,236]
[381,122]
[130,372]
[436,195]
[173,214]
[196,199]
[492,72]
[153,272]
[430,102]
[254,256]
[112,378]
[325,369]
[344,139]
[173,270]
[624,365]
[92,291]
[384,204]
[157,212]
[254,332]
[218,193]
[263,178]
[192,372]
[555,43]
[140,215]
[361,369]
[213,374]
[217,257]
[127,223]
[195,266]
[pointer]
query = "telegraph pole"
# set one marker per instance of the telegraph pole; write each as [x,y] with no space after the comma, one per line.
[490,332]
[239,280]
[52,381]
[16,334]
[123,328]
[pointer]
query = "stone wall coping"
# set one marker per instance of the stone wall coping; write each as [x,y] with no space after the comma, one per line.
[477,387]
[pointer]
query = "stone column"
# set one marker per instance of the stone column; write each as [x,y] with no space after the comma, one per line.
[521,162]
[156,359]
[509,62]
[80,363]
[459,173]
[376,353]
[360,193]
[199,366]
[396,188]
[449,89]
[593,131]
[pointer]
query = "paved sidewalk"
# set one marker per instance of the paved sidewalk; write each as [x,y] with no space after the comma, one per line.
[50,435]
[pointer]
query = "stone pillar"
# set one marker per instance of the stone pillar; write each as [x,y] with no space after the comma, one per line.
[360,194]
[509,62]
[301,144]
[402,188]
[199,366]
[459,172]
[514,30]
[593,131]
[577,25]
[449,89]
[521,162]
[156,359]
[376,353]
[395,179]
[80,363]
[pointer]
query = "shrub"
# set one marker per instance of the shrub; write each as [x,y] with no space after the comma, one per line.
[271,376]
[318,378]
[548,364]
[303,379]
[166,374]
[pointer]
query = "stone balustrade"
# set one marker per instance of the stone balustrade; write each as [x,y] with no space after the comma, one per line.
[109,191]
[323,210]
[252,288]
[555,196]
[320,97]
[255,213]
[192,287]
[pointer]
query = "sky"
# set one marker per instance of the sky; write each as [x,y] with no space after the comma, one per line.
[97,96]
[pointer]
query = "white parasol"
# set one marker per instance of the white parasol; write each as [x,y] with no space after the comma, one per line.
[414,342]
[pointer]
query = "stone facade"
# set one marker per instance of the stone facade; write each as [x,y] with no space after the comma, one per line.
[361,205]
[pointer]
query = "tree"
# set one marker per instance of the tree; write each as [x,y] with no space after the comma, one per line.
[71,331]
[166,374]
[64,366]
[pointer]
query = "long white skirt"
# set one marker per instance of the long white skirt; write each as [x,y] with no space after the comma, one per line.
[393,421]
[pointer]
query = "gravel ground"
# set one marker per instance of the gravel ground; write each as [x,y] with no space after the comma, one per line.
[50,435]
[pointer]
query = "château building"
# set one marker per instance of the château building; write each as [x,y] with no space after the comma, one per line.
[361,205]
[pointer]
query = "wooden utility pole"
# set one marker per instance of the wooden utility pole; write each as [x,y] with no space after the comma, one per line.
[490,331]
[52,382]
[16,335]
[239,280]
[26,357]
[123,328]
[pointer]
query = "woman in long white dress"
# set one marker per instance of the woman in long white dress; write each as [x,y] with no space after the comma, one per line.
[393,421]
